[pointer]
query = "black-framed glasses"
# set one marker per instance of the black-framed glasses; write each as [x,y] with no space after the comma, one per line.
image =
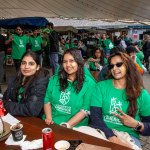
[119,64]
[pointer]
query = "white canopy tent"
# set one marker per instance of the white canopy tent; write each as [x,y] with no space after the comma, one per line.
[114,10]
[86,24]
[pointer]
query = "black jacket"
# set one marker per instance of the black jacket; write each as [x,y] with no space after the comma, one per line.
[54,46]
[146,48]
[33,102]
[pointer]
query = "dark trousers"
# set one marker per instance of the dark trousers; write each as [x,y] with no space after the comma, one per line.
[17,63]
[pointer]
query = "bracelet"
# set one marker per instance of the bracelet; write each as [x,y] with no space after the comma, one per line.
[87,113]
[66,124]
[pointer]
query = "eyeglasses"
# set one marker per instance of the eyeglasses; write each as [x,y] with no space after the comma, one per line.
[119,64]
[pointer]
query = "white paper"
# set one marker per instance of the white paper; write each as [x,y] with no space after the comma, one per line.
[10,140]
[35,144]
[10,119]
[90,131]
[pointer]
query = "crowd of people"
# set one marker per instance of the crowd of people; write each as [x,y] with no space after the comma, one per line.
[70,96]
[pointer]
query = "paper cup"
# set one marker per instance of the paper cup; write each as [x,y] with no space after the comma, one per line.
[17,132]
[62,145]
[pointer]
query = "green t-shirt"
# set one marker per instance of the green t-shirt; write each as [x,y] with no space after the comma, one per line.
[109,98]
[67,45]
[140,55]
[107,43]
[92,66]
[35,43]
[139,62]
[19,97]
[65,104]
[19,46]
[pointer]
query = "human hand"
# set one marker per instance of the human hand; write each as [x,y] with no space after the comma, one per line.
[93,60]
[116,140]
[97,66]
[133,58]
[126,119]
[49,121]
[11,38]
[137,48]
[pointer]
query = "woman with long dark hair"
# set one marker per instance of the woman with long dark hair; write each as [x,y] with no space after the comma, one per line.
[121,102]
[25,93]
[68,95]
[98,60]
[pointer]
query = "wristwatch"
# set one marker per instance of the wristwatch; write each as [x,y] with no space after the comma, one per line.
[138,127]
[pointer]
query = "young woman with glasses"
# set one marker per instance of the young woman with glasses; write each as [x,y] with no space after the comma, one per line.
[121,103]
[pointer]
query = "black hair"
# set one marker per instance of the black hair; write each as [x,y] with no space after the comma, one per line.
[30,79]
[117,49]
[63,76]
[130,49]
[50,24]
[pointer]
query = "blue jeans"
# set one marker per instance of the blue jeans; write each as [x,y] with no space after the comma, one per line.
[54,61]
[2,55]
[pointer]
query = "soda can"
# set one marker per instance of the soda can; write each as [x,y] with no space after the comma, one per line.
[47,136]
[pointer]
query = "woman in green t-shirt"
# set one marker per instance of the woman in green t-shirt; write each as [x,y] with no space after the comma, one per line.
[98,60]
[68,96]
[121,103]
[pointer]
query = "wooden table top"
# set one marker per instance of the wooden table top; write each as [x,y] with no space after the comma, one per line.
[33,129]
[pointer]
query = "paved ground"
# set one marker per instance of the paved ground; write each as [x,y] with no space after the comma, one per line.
[146,78]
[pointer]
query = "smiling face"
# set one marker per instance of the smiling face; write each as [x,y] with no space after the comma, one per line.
[28,66]
[97,53]
[19,31]
[120,71]
[70,66]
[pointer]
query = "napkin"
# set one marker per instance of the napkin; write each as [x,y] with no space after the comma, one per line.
[10,119]
[35,144]
[10,140]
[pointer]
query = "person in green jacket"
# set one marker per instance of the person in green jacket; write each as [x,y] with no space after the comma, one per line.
[20,43]
[98,60]
[106,44]
[35,42]
[68,96]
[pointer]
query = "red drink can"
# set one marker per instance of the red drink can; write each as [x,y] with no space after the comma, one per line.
[47,135]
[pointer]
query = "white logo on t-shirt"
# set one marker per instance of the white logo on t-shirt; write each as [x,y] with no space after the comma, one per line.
[115,103]
[64,97]
[21,43]
[36,43]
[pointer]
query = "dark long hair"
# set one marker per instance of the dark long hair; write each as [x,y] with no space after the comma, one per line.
[102,55]
[134,82]
[63,76]
[31,78]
